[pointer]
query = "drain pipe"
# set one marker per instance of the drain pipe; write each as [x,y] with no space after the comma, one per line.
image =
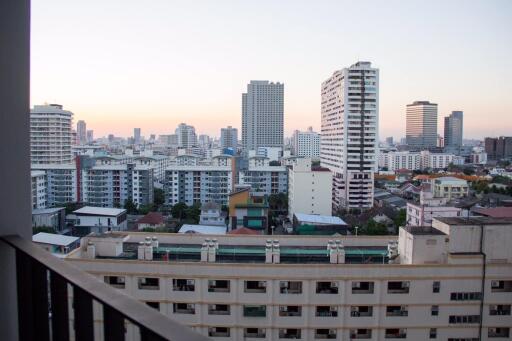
[484,261]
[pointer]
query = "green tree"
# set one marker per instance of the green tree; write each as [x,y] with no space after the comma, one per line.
[130,206]
[372,228]
[193,212]
[178,210]
[468,171]
[145,209]
[278,203]
[400,218]
[72,206]
[158,197]
[47,229]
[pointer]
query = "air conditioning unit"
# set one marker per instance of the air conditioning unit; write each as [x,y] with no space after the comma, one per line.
[212,283]
[495,284]
[190,282]
[120,279]
[283,284]
[143,280]
[262,284]
[334,284]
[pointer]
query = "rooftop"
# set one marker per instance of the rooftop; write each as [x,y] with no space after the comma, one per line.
[474,220]
[202,229]
[53,239]
[319,219]
[153,218]
[494,212]
[423,230]
[104,211]
[47,210]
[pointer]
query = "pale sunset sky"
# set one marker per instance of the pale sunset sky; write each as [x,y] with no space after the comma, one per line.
[154,64]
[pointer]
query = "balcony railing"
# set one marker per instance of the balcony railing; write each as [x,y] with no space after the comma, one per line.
[43,281]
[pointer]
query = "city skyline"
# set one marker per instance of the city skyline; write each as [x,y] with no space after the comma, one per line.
[159,74]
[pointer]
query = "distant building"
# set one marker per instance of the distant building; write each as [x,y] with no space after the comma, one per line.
[81,132]
[450,187]
[186,136]
[57,244]
[49,217]
[498,148]
[394,161]
[306,143]
[99,220]
[263,115]
[263,178]
[229,137]
[453,129]
[389,140]
[50,134]
[211,214]
[428,208]
[39,189]
[315,224]
[151,220]
[421,125]
[309,189]
[350,133]
[136,136]
[90,136]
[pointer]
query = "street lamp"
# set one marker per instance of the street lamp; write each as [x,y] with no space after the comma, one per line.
[356,228]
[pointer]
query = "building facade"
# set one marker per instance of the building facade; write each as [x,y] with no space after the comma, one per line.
[309,189]
[61,183]
[81,132]
[50,134]
[186,136]
[394,161]
[39,189]
[229,137]
[263,178]
[349,136]
[421,125]
[263,115]
[306,143]
[498,148]
[427,283]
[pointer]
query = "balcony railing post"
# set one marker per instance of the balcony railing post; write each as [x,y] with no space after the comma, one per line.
[33,301]
[82,306]
[113,324]
[59,305]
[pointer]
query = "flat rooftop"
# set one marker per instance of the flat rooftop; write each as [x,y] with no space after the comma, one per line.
[474,220]
[101,211]
[423,230]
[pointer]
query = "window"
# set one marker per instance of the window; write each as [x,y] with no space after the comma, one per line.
[257,333]
[219,309]
[434,311]
[465,296]
[463,319]
[218,332]
[325,333]
[148,283]
[360,333]
[290,311]
[362,287]
[395,333]
[289,287]
[499,309]
[115,281]
[499,332]
[398,287]
[501,286]
[255,310]
[326,287]
[433,333]
[436,287]
[396,310]
[155,305]
[289,333]
[255,286]
[183,285]
[184,308]
[326,311]
[361,311]
[218,286]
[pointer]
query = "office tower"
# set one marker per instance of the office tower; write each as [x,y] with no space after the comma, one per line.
[498,148]
[306,143]
[453,129]
[349,140]
[81,132]
[136,136]
[50,134]
[262,115]
[389,140]
[421,130]
[229,137]
[90,136]
[204,141]
[186,136]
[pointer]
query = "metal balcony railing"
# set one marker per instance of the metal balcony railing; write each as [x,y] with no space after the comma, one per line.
[43,281]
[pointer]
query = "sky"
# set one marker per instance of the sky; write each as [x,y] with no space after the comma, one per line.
[154,64]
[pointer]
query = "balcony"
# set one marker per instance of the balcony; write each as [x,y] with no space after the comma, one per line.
[43,285]
[255,311]
[398,287]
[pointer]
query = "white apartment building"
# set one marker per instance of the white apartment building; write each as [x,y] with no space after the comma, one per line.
[50,134]
[61,183]
[427,283]
[186,136]
[263,115]
[394,160]
[263,178]
[309,189]
[112,185]
[450,187]
[421,124]
[430,207]
[349,135]
[38,187]
[229,137]
[306,143]
[158,163]
[191,181]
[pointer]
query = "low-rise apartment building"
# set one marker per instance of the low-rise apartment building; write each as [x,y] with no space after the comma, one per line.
[450,187]
[452,281]
[394,160]
[263,178]
[38,188]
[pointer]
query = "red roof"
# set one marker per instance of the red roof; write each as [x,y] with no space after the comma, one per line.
[152,218]
[243,230]
[495,212]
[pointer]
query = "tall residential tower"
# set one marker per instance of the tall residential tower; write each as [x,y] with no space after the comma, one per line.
[421,130]
[229,137]
[453,128]
[50,134]
[81,132]
[263,115]
[349,136]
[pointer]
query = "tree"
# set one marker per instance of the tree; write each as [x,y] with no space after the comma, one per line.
[278,203]
[468,171]
[145,209]
[72,206]
[47,229]
[193,212]
[400,218]
[130,206]
[178,210]
[158,197]
[372,228]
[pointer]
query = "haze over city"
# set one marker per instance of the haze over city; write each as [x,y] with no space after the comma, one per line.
[125,64]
